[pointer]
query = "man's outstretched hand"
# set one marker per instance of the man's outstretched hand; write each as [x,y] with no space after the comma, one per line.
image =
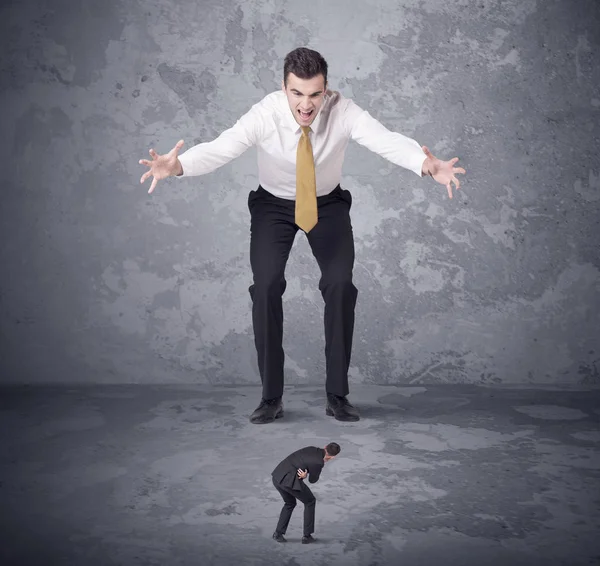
[162,166]
[443,172]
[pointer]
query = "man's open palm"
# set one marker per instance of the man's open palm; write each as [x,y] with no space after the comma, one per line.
[443,172]
[162,166]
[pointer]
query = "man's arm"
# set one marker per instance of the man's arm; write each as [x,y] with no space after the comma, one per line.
[399,149]
[369,132]
[205,157]
[315,473]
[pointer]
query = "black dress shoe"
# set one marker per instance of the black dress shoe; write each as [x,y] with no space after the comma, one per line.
[279,537]
[340,408]
[267,411]
[307,538]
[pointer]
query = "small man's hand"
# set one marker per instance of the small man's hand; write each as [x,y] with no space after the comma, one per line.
[162,166]
[302,474]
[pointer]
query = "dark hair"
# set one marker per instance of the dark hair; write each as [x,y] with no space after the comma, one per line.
[333,448]
[305,64]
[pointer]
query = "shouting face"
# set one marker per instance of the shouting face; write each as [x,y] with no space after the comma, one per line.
[305,97]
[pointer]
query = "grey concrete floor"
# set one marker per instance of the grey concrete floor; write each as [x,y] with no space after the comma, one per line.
[176,475]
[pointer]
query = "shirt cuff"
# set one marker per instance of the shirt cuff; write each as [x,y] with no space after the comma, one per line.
[419,171]
[185,165]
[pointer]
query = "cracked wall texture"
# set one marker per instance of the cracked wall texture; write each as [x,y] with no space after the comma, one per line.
[102,282]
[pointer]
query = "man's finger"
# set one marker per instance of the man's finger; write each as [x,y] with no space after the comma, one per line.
[178,146]
[458,170]
[153,185]
[426,151]
[145,176]
[456,182]
[453,160]
[153,154]
[145,162]
[449,187]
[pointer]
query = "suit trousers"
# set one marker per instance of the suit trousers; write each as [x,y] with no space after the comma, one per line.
[272,233]
[289,497]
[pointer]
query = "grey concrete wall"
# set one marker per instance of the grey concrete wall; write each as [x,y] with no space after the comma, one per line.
[102,282]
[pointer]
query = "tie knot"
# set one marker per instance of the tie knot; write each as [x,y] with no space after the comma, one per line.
[305,130]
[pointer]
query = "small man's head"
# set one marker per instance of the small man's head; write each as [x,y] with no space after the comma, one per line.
[304,83]
[331,451]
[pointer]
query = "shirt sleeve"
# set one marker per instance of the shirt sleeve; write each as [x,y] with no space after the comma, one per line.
[205,157]
[395,147]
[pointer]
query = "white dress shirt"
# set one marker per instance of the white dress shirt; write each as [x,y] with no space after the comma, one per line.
[271,127]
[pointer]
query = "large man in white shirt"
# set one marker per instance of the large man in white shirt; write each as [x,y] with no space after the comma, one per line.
[274,125]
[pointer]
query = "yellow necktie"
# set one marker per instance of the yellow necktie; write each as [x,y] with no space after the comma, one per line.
[306,184]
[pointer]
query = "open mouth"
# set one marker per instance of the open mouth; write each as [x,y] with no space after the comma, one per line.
[305,115]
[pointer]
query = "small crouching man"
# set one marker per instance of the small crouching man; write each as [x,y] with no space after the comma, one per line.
[288,479]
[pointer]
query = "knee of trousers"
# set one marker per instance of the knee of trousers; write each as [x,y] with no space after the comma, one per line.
[290,505]
[338,284]
[311,502]
[268,287]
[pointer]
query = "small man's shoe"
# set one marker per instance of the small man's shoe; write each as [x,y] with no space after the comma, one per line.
[267,411]
[306,539]
[340,408]
[279,537]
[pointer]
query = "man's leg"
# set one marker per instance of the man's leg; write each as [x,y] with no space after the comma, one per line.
[286,512]
[307,497]
[271,238]
[332,243]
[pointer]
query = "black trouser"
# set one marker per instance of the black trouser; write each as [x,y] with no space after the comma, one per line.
[289,497]
[272,232]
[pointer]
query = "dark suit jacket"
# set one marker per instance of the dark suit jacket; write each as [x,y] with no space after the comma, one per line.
[309,458]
